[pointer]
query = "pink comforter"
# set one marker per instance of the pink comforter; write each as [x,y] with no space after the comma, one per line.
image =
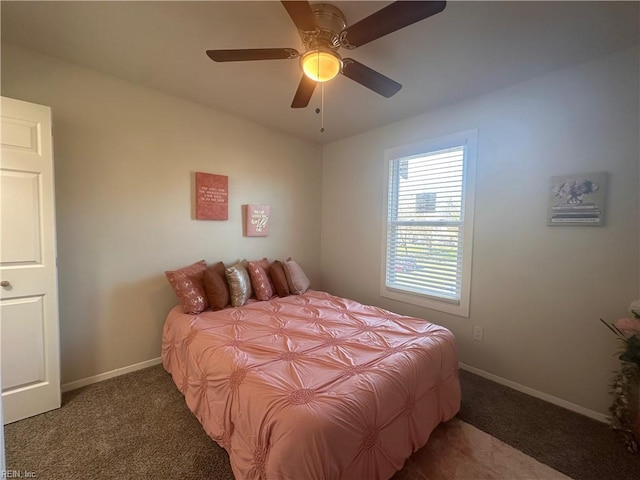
[313,386]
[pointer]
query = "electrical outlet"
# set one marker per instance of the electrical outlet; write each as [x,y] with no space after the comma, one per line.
[478,333]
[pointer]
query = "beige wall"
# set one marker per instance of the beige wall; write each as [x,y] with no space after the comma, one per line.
[537,291]
[124,161]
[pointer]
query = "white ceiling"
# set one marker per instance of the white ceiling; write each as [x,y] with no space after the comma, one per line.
[469,49]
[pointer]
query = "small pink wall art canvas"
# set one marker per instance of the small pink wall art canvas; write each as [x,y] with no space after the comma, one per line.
[212,196]
[256,220]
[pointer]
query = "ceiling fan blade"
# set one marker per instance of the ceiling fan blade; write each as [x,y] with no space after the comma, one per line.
[393,17]
[242,55]
[302,15]
[369,78]
[304,92]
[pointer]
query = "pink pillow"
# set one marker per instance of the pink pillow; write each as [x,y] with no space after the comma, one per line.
[260,281]
[297,280]
[188,285]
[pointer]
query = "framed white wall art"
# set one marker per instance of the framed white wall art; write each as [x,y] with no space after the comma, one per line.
[577,200]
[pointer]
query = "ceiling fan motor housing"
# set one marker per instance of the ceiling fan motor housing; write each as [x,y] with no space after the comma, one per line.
[330,22]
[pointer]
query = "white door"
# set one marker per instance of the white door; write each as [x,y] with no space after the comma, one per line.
[29,341]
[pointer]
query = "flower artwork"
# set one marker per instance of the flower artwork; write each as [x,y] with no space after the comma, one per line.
[574,190]
[577,200]
[625,408]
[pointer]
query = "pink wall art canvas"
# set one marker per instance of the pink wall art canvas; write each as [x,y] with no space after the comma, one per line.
[212,196]
[256,220]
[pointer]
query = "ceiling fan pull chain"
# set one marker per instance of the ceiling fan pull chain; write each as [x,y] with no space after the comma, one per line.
[322,108]
[321,99]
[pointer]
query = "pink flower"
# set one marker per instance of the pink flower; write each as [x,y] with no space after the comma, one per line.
[630,326]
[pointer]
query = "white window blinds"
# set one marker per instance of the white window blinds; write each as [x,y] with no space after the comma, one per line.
[425,224]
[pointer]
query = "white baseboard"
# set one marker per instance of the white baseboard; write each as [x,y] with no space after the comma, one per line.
[83,382]
[601,417]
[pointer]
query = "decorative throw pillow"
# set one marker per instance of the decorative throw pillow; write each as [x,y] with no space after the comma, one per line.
[276,270]
[239,283]
[260,281]
[216,286]
[188,285]
[296,279]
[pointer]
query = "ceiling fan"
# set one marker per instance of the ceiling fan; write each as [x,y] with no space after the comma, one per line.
[323,30]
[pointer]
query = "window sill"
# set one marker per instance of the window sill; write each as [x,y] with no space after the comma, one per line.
[454,308]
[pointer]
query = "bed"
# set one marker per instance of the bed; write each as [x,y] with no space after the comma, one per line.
[313,386]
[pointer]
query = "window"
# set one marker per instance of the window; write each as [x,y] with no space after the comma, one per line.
[429,223]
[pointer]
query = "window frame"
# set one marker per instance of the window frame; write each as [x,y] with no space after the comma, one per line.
[468,139]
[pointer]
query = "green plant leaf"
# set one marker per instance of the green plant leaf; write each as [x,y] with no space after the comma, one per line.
[632,352]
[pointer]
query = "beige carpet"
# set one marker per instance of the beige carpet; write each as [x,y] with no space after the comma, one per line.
[459,451]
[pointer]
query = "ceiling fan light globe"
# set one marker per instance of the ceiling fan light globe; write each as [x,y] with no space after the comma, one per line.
[321,66]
